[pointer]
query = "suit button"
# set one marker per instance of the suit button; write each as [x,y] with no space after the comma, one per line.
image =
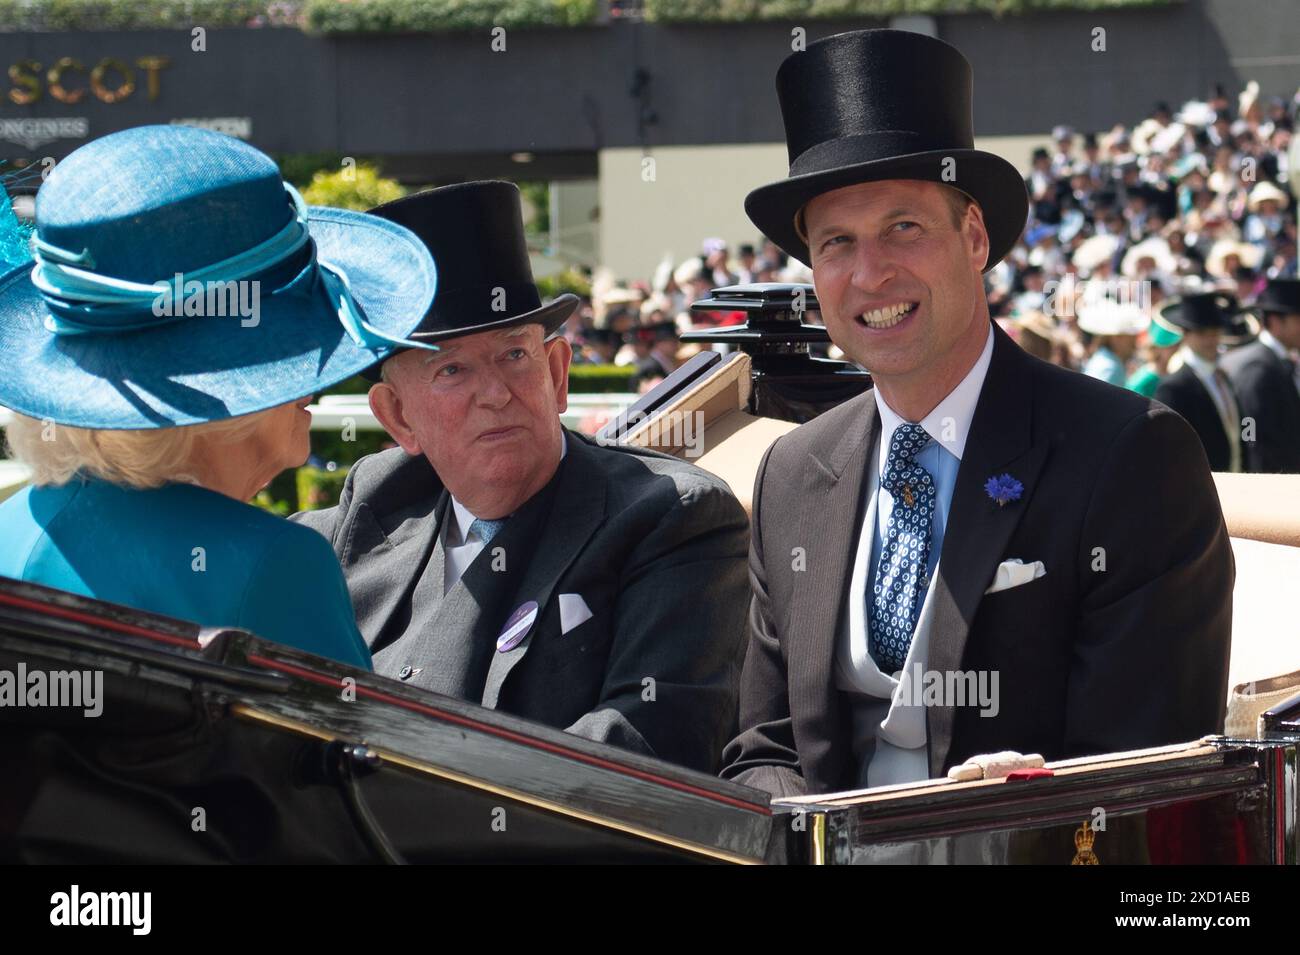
[404,673]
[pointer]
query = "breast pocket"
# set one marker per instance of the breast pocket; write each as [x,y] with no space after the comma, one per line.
[583,646]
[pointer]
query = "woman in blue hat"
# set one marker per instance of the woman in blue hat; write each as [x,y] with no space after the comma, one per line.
[182,308]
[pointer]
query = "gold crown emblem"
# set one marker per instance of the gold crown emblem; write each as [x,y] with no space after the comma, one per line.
[1083,840]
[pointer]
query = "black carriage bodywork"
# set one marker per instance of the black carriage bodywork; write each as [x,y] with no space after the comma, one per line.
[220,747]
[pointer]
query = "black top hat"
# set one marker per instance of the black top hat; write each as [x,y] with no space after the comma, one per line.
[475,231]
[1280,296]
[1202,310]
[883,104]
[657,332]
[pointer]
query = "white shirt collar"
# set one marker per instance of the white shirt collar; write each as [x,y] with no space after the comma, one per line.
[1273,344]
[1203,368]
[949,422]
[464,518]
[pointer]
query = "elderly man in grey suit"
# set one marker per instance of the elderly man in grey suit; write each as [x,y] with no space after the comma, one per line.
[497,557]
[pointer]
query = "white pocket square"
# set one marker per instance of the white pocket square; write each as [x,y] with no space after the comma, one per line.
[1014,572]
[573,611]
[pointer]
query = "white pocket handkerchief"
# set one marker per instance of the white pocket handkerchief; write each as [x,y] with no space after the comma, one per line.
[573,611]
[1014,572]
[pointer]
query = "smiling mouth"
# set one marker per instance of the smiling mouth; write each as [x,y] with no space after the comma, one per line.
[888,316]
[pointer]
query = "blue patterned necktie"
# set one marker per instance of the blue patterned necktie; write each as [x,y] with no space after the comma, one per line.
[899,587]
[486,530]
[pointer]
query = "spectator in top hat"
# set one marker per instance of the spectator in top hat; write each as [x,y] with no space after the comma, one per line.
[1200,390]
[499,558]
[1267,384]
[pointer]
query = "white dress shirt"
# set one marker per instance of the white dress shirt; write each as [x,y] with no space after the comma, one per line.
[459,546]
[889,735]
[1229,413]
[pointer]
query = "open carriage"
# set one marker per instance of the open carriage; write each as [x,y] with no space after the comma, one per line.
[217,746]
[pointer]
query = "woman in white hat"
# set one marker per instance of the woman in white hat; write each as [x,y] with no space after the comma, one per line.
[1114,327]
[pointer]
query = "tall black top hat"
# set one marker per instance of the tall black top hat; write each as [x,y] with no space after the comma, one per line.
[1280,295]
[1201,310]
[476,233]
[883,104]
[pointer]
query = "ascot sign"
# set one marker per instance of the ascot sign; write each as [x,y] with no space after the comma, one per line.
[110,80]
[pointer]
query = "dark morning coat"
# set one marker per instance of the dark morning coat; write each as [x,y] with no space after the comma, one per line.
[654,547]
[1267,393]
[1184,393]
[1091,660]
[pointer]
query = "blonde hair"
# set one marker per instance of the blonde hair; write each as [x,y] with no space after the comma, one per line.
[145,458]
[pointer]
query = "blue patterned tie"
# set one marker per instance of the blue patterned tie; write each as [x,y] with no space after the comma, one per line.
[899,587]
[486,530]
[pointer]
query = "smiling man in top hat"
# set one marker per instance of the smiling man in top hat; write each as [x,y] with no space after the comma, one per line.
[499,558]
[985,552]
[1267,383]
[1200,390]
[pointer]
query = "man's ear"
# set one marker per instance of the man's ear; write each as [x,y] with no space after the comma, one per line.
[386,404]
[979,235]
[559,353]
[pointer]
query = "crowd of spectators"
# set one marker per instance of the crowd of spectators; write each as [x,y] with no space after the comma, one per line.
[1122,222]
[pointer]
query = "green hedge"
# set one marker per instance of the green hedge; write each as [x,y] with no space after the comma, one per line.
[432,16]
[600,379]
[701,11]
[421,16]
[323,16]
[18,15]
[570,280]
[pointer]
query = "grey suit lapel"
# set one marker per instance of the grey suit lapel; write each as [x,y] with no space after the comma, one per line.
[379,563]
[1000,442]
[576,511]
[828,521]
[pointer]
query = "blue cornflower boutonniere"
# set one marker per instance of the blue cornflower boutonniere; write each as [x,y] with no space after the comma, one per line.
[1003,488]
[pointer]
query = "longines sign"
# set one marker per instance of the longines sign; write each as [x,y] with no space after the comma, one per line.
[31,132]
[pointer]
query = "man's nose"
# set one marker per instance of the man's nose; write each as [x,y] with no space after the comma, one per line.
[872,267]
[493,392]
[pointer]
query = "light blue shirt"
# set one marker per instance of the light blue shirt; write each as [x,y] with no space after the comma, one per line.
[948,426]
[186,552]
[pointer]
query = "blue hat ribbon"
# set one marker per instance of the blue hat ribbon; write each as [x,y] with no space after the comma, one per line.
[85,302]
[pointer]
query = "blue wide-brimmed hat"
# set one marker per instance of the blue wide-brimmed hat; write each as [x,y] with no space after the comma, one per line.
[178,279]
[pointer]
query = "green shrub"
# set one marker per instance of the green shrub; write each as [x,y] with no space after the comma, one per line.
[16,15]
[732,11]
[600,379]
[424,16]
[358,188]
[570,280]
[319,487]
